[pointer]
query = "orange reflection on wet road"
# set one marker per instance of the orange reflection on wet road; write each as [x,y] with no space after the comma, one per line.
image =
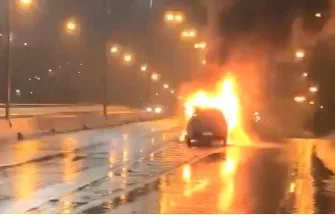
[25,182]
[67,205]
[187,174]
[112,158]
[69,166]
[200,183]
[125,155]
[198,187]
[163,202]
[227,175]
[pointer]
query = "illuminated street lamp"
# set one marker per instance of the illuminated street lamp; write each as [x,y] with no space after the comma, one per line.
[26,3]
[166,86]
[114,49]
[169,17]
[179,18]
[71,26]
[300,99]
[201,45]
[204,62]
[189,33]
[174,17]
[305,74]
[127,57]
[313,89]
[144,68]
[155,77]
[318,15]
[300,54]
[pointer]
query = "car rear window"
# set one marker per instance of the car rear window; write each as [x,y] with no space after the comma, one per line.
[212,115]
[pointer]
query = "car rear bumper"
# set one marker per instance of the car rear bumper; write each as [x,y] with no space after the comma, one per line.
[208,139]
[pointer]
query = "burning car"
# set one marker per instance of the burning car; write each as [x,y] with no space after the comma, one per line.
[206,127]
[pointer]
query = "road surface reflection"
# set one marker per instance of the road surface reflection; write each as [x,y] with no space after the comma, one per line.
[26,176]
[198,182]
[235,180]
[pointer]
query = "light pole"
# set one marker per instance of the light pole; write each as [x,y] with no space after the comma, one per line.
[108,49]
[151,3]
[150,48]
[106,76]
[7,65]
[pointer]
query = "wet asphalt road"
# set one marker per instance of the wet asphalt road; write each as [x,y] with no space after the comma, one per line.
[142,168]
[235,180]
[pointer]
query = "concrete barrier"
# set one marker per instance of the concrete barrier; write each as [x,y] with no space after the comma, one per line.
[20,128]
[5,130]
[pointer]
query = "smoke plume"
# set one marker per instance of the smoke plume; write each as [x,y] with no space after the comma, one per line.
[245,36]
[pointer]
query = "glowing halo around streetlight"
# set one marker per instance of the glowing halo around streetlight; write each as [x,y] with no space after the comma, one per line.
[114,49]
[128,58]
[300,54]
[71,26]
[144,68]
[155,77]
[26,2]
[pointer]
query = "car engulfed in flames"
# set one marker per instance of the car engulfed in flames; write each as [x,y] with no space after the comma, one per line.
[224,98]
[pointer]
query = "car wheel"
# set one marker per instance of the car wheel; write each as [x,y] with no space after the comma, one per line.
[188,141]
[225,141]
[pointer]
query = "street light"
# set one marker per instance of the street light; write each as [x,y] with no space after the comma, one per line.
[166,86]
[179,18]
[204,62]
[114,49]
[189,33]
[318,15]
[313,89]
[174,17]
[169,17]
[71,26]
[127,58]
[300,99]
[300,54]
[26,3]
[155,77]
[201,45]
[144,68]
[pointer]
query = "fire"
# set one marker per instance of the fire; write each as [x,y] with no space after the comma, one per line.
[224,99]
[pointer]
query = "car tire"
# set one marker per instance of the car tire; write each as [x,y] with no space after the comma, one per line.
[188,141]
[225,141]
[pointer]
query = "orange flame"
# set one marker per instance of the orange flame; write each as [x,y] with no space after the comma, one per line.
[224,98]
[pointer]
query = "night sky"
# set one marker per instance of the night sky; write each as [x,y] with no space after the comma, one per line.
[258,23]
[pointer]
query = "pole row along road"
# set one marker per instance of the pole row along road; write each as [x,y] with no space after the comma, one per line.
[143,168]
